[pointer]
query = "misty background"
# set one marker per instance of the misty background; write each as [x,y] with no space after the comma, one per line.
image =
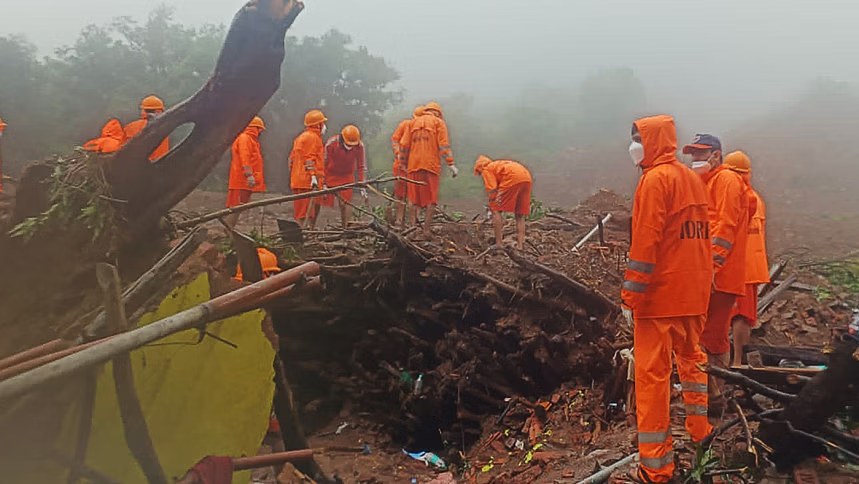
[554,83]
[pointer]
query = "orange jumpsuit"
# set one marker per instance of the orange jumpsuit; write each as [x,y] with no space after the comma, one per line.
[424,145]
[400,189]
[667,286]
[508,184]
[246,160]
[111,140]
[134,128]
[757,265]
[729,228]
[306,160]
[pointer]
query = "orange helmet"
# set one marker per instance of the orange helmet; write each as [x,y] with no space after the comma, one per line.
[481,163]
[267,260]
[419,111]
[351,135]
[739,162]
[257,122]
[434,107]
[152,103]
[314,117]
[2,125]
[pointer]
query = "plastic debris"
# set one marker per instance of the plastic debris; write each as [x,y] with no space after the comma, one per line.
[428,458]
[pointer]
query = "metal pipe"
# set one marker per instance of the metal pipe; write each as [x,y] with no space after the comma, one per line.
[231,303]
[28,365]
[590,234]
[606,472]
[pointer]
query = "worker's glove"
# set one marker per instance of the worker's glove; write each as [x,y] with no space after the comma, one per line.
[252,182]
[454,170]
[314,182]
[627,315]
[364,194]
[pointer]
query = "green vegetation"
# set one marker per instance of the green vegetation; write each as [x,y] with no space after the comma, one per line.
[844,274]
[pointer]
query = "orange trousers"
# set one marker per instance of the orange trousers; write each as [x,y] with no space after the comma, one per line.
[657,340]
[718,326]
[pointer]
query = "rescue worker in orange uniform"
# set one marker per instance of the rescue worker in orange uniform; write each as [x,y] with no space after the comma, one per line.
[247,173]
[508,186]
[307,167]
[423,147]
[150,108]
[268,262]
[729,226]
[745,314]
[401,187]
[665,293]
[344,156]
[111,140]
[2,129]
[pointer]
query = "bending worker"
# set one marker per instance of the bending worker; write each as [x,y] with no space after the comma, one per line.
[247,174]
[745,314]
[344,155]
[508,185]
[150,108]
[423,147]
[665,292]
[400,187]
[307,167]
[729,225]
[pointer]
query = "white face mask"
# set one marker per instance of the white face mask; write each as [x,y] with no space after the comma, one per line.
[636,152]
[324,129]
[701,167]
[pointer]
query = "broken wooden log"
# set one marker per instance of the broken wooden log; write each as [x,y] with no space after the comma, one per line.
[220,307]
[562,219]
[134,426]
[775,273]
[770,298]
[742,380]
[772,355]
[245,77]
[591,298]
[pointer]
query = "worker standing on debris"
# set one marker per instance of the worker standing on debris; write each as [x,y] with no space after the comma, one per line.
[307,165]
[508,186]
[150,108]
[247,173]
[422,149]
[665,293]
[2,129]
[745,314]
[400,169]
[729,224]
[344,155]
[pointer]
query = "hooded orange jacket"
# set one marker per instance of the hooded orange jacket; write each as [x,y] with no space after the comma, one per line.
[307,159]
[670,261]
[247,159]
[757,265]
[111,140]
[426,144]
[503,174]
[395,145]
[134,128]
[729,217]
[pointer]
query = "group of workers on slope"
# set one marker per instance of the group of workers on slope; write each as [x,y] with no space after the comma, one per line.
[422,144]
[696,257]
[114,136]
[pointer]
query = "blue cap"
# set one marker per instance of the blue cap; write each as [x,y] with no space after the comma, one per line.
[703,142]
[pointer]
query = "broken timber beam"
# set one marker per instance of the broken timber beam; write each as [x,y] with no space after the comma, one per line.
[770,298]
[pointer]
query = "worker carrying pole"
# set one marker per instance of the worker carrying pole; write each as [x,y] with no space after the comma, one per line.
[247,173]
[307,167]
[423,148]
[508,186]
[665,292]
[345,160]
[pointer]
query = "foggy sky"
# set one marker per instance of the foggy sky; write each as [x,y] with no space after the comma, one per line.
[711,63]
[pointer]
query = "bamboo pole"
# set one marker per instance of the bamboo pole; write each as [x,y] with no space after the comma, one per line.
[227,305]
[41,350]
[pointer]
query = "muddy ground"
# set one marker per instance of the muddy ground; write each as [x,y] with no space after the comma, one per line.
[576,431]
